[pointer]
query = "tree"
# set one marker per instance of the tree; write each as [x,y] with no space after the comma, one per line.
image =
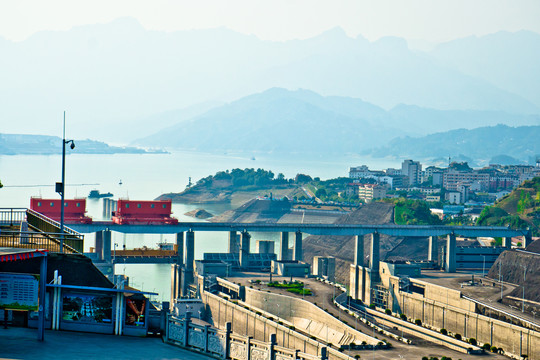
[1,186]
[302,178]
[321,192]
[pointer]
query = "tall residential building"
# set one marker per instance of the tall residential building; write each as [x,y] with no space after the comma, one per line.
[413,170]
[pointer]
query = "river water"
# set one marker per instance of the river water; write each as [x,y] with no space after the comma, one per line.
[145,177]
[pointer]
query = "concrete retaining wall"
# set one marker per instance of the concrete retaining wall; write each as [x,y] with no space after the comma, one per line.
[308,317]
[249,323]
[458,316]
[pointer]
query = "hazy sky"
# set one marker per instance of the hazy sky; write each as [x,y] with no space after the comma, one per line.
[427,20]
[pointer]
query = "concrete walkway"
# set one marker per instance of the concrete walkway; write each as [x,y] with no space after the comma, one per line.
[21,343]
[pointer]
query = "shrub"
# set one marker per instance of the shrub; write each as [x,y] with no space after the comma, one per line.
[486,346]
[388,312]
[372,306]
[425,358]
[418,322]
[446,358]
[403,316]
[364,342]
[458,336]
[357,356]
[473,341]
[444,331]
[433,358]
[494,349]
[500,350]
[380,343]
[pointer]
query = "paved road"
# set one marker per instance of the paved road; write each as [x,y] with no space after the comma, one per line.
[21,343]
[322,295]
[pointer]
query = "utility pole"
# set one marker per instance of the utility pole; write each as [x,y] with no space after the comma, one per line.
[501,279]
[61,189]
[524,278]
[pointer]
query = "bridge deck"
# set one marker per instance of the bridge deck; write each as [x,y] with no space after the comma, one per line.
[313,229]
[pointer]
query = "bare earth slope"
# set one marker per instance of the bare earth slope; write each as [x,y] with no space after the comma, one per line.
[256,211]
[513,265]
[342,247]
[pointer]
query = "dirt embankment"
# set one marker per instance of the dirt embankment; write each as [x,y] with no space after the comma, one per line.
[268,211]
[229,194]
[342,247]
[519,268]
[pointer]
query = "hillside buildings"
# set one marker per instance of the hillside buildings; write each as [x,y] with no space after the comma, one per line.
[456,184]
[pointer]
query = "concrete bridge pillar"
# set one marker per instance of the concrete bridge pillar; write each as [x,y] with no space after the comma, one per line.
[507,242]
[176,283]
[375,257]
[298,252]
[284,246]
[180,248]
[106,245]
[450,264]
[244,249]
[99,245]
[527,239]
[433,249]
[359,250]
[187,278]
[234,244]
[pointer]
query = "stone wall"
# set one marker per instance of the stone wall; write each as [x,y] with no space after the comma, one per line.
[224,344]
[260,328]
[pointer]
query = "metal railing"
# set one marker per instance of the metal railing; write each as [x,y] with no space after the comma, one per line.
[38,240]
[12,216]
[51,228]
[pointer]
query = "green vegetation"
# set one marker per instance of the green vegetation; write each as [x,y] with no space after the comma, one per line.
[520,209]
[333,189]
[246,177]
[413,212]
[295,287]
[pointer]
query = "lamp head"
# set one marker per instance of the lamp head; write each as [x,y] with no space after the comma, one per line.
[72,146]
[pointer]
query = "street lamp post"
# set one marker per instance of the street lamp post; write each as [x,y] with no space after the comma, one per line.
[62,188]
[483,267]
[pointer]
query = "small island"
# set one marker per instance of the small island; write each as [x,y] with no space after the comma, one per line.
[237,187]
[199,214]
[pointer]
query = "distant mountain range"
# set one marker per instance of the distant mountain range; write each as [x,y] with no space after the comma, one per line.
[112,77]
[481,144]
[17,144]
[279,120]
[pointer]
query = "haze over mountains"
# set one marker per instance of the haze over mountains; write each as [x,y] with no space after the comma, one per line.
[120,82]
[283,121]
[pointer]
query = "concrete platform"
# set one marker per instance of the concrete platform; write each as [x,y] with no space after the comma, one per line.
[21,343]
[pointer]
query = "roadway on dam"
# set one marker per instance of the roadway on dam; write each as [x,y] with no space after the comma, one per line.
[322,296]
[312,229]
